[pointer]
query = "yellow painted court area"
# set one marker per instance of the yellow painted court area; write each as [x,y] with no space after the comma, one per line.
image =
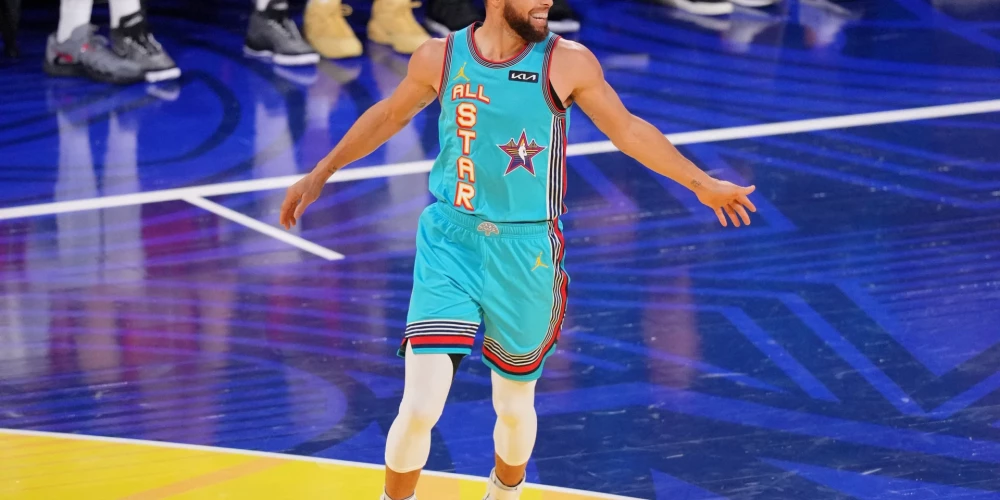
[57,466]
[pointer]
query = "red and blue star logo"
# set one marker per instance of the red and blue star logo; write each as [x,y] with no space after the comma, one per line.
[521,153]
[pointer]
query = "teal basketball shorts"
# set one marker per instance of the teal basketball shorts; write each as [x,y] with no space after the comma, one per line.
[508,276]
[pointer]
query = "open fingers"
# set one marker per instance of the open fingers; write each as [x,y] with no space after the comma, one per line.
[287,209]
[743,200]
[304,202]
[741,212]
[722,218]
[732,215]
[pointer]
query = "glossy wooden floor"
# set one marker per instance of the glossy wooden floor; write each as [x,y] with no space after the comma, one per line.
[45,466]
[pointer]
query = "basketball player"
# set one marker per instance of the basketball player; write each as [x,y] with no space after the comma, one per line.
[491,248]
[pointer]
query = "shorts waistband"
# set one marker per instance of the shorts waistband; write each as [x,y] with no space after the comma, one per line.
[489,228]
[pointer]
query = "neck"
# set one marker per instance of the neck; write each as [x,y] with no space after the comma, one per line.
[496,41]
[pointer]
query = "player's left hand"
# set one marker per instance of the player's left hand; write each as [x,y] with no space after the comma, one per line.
[726,198]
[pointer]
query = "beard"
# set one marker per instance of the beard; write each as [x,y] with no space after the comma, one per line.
[522,25]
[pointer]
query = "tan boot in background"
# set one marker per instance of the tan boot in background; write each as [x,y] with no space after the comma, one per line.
[327,30]
[393,24]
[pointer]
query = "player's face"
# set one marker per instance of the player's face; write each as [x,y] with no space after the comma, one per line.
[528,18]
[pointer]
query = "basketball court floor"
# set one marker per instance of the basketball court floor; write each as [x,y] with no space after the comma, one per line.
[160,337]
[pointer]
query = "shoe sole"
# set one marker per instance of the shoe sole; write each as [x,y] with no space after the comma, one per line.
[283,59]
[81,71]
[564,26]
[355,51]
[163,75]
[703,8]
[63,70]
[436,27]
[377,36]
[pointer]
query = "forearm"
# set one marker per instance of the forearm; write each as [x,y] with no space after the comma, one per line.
[371,130]
[647,145]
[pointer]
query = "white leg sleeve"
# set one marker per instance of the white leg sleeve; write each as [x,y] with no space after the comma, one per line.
[428,379]
[72,15]
[517,424]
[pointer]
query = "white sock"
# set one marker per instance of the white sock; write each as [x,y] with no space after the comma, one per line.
[496,490]
[72,15]
[122,8]
[262,5]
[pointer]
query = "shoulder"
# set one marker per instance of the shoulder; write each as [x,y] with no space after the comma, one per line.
[574,55]
[426,62]
[574,66]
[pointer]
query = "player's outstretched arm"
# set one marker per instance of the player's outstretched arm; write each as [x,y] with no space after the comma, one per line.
[375,126]
[580,71]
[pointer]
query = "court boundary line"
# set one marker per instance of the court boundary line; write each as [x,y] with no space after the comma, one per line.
[283,456]
[586,148]
[264,228]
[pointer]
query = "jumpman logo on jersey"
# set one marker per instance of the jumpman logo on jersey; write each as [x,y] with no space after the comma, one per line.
[538,262]
[461,73]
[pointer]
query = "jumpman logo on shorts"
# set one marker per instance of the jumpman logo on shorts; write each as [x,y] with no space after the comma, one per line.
[538,262]
[461,73]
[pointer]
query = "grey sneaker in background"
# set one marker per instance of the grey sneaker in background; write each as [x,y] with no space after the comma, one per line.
[272,35]
[132,40]
[87,54]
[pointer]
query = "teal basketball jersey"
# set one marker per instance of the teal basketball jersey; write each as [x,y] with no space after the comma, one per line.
[502,132]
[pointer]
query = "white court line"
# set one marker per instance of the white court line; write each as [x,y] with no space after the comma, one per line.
[588,148]
[269,230]
[297,458]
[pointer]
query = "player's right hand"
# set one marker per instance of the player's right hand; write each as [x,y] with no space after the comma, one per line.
[299,196]
[726,198]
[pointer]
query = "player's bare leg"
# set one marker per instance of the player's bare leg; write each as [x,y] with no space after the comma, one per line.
[401,485]
[509,475]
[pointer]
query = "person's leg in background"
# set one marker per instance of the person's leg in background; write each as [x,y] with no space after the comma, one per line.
[72,15]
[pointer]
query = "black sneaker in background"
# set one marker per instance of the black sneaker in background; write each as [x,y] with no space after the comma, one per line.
[132,40]
[272,35]
[562,18]
[447,16]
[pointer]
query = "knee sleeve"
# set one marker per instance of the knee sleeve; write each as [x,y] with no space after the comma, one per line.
[428,379]
[517,424]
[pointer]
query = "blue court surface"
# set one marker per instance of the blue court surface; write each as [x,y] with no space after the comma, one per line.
[844,345]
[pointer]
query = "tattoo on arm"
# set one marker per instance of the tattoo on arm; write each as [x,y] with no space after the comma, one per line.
[695,183]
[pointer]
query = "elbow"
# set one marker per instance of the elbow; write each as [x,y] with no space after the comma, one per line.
[389,116]
[626,141]
[632,136]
